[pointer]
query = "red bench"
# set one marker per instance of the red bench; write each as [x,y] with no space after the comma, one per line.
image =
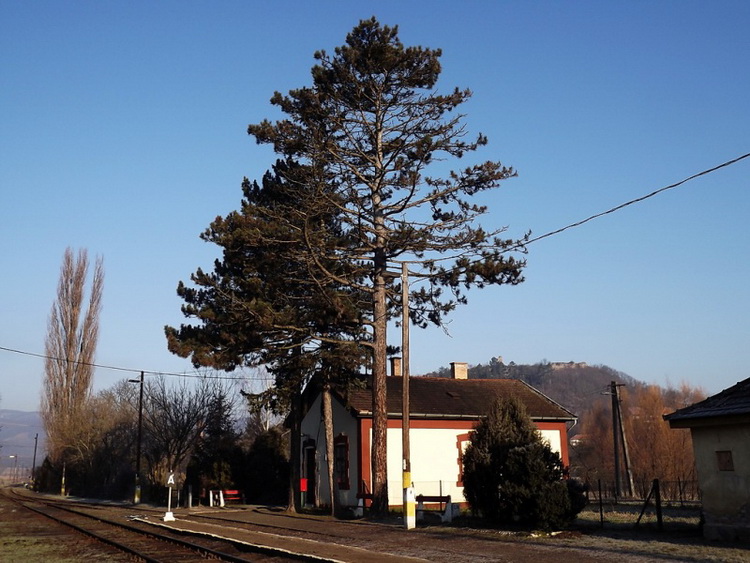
[232,495]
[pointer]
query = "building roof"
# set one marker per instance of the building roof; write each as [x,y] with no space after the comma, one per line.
[444,398]
[730,406]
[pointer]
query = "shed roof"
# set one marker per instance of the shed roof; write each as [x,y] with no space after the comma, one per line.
[728,406]
[443,398]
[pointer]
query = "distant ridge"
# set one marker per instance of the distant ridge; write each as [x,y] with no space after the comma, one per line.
[17,431]
[574,385]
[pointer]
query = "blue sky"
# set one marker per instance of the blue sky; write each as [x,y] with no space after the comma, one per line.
[123,130]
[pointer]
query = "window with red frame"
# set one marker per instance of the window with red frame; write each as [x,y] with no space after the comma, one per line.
[341,461]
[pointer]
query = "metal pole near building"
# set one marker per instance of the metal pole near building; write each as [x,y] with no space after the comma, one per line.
[33,463]
[409,500]
[13,469]
[137,493]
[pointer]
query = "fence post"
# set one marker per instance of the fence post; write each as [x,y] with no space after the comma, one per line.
[657,500]
[601,508]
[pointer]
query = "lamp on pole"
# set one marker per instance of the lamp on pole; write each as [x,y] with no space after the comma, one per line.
[15,465]
[137,494]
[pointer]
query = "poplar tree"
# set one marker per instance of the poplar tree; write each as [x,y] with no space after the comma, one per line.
[373,133]
[70,350]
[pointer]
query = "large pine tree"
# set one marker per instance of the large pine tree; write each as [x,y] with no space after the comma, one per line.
[372,131]
[265,302]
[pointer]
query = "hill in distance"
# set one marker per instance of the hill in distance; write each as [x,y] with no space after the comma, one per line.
[574,385]
[18,430]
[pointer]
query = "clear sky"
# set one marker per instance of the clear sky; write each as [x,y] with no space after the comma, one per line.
[123,130]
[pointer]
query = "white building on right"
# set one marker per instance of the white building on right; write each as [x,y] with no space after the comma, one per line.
[720,429]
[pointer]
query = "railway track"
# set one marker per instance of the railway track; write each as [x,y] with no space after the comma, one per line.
[140,536]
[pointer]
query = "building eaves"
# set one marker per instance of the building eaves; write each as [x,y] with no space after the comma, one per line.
[727,407]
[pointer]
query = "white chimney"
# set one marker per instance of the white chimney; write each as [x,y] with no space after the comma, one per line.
[459,370]
[396,367]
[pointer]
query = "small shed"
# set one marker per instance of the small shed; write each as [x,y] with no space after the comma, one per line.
[443,412]
[720,429]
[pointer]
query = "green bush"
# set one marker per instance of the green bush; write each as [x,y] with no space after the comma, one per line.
[511,475]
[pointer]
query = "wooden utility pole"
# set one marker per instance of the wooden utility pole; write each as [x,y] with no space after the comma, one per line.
[615,419]
[625,451]
[618,433]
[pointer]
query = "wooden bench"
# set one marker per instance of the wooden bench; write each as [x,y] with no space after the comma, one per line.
[422,499]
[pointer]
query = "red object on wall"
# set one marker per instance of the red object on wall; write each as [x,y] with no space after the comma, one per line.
[303,485]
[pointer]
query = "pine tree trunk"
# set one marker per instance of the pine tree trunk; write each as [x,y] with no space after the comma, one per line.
[295,451]
[325,406]
[379,395]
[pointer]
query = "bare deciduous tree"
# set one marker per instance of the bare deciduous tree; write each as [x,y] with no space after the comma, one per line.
[173,419]
[70,347]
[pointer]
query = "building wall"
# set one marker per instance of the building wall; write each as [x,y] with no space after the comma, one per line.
[343,424]
[435,453]
[435,447]
[725,491]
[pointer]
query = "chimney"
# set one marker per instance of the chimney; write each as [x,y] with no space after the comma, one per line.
[459,370]
[396,366]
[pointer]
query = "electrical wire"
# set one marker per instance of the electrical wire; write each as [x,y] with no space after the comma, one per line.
[535,239]
[129,370]
[637,200]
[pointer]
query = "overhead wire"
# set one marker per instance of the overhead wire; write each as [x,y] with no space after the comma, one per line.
[195,375]
[636,200]
[520,245]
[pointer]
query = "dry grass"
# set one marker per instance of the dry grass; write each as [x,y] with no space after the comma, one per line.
[25,537]
[618,537]
[615,531]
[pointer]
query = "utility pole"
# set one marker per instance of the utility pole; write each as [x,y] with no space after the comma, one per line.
[13,471]
[625,451]
[137,494]
[618,434]
[33,463]
[613,393]
[409,501]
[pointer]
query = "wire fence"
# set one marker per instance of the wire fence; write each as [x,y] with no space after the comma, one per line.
[672,492]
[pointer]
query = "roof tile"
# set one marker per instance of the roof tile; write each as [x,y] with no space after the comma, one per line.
[456,398]
[734,401]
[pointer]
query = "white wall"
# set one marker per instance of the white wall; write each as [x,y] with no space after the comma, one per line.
[434,461]
[344,423]
[434,456]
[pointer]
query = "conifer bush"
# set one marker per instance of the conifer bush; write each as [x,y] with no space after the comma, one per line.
[512,476]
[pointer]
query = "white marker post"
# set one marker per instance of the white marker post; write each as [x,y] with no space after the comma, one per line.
[169,517]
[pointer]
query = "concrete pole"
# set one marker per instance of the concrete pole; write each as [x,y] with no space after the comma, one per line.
[409,501]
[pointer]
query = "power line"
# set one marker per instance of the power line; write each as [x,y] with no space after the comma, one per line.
[128,370]
[632,201]
[535,239]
